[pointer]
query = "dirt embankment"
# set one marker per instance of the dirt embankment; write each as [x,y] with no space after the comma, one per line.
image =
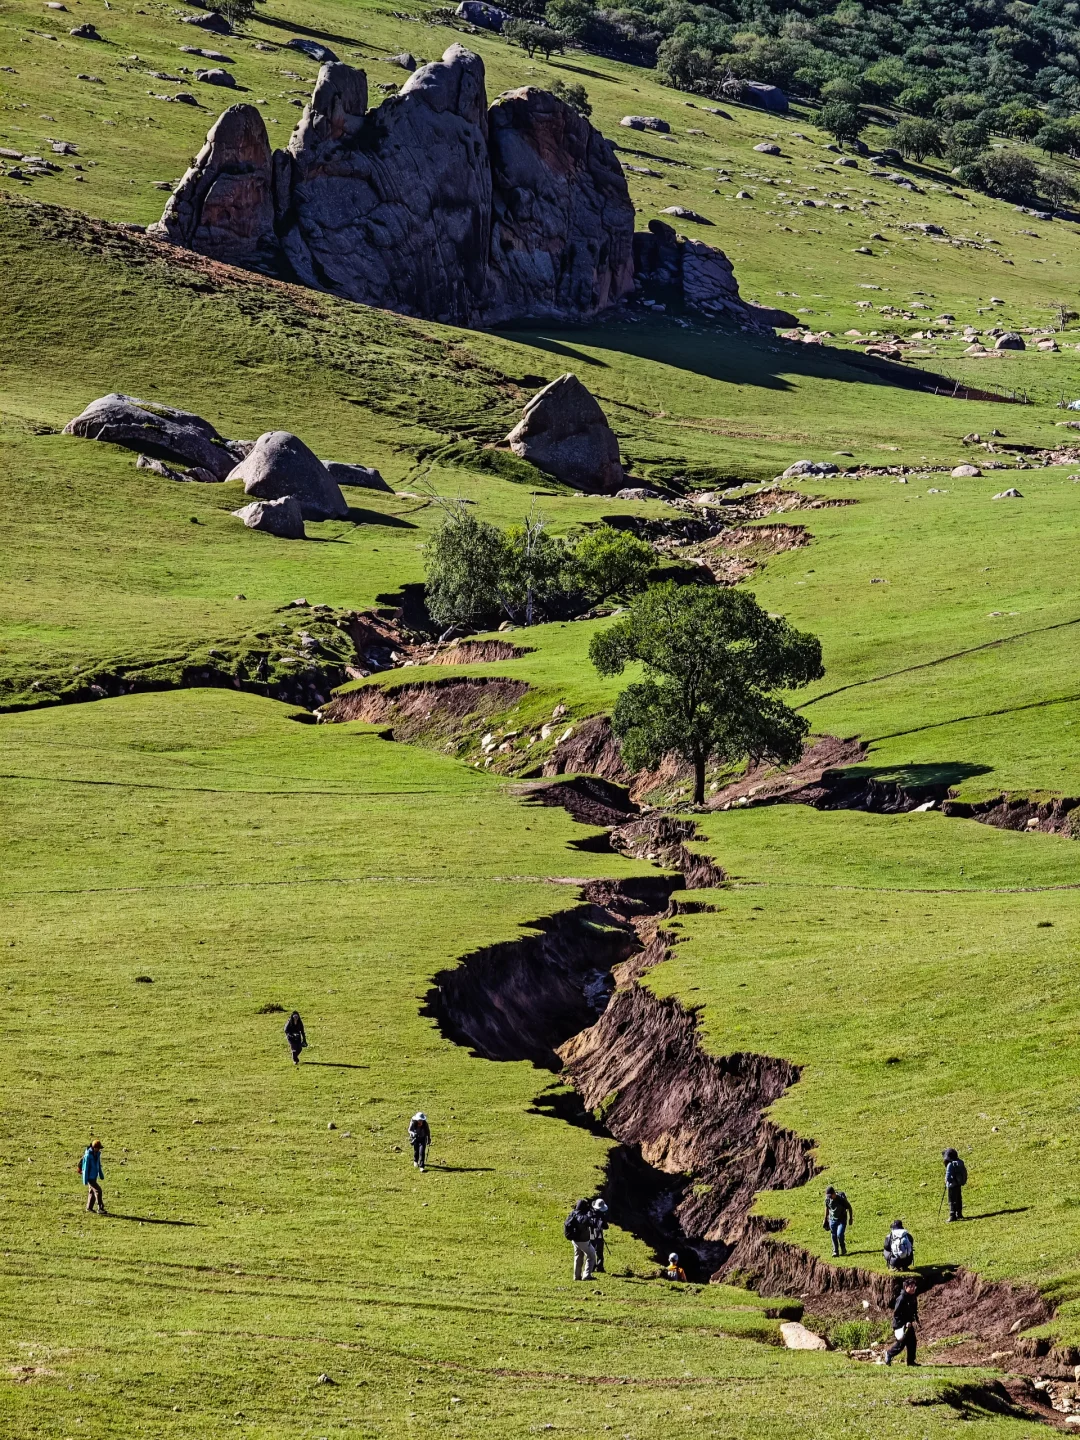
[427,707]
[477,652]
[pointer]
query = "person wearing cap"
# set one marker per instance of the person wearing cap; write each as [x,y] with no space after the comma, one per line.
[93,1174]
[419,1138]
[673,1270]
[599,1225]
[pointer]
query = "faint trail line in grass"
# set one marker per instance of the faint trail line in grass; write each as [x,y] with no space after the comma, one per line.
[312,880]
[941,660]
[983,715]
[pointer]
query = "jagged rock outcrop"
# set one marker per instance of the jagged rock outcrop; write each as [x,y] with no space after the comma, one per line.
[680,272]
[564,432]
[224,205]
[563,222]
[363,476]
[158,430]
[280,465]
[428,204]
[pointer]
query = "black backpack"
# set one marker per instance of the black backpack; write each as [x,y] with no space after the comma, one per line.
[961,1171]
[572,1226]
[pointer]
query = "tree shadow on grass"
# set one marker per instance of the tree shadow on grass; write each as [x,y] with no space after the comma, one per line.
[360,516]
[149,1220]
[295,28]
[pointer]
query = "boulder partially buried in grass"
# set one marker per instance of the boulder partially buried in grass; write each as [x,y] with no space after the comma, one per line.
[158,430]
[280,465]
[282,518]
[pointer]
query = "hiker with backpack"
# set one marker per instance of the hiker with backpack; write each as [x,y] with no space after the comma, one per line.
[578,1229]
[419,1138]
[838,1216]
[955,1180]
[598,1212]
[899,1247]
[295,1035]
[905,1318]
[92,1176]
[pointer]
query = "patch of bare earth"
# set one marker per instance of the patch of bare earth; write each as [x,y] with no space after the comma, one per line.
[478,652]
[427,708]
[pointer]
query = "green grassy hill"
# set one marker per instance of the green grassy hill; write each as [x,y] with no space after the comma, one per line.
[268,1226]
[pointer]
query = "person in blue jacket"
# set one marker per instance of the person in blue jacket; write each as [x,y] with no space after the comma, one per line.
[93,1174]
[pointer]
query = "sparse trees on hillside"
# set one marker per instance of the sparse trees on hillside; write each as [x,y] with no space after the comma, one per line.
[843,121]
[572,93]
[916,138]
[714,660]
[533,37]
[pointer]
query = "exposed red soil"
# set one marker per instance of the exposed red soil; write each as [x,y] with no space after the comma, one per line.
[592,748]
[737,553]
[426,706]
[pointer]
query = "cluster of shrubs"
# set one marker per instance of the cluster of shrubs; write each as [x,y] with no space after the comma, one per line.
[477,574]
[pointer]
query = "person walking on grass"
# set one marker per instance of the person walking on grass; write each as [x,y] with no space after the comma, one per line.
[899,1247]
[838,1217]
[599,1225]
[955,1180]
[93,1174]
[578,1229]
[905,1319]
[294,1034]
[419,1138]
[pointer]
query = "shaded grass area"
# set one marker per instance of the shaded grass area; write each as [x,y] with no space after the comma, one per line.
[268,1226]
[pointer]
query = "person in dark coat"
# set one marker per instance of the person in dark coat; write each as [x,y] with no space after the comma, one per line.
[294,1034]
[419,1138]
[955,1180]
[599,1225]
[838,1217]
[905,1318]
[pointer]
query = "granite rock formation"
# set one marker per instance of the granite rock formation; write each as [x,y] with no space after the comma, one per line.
[688,274]
[280,465]
[428,204]
[282,518]
[564,432]
[157,430]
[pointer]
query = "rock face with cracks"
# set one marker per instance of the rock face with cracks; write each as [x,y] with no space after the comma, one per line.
[681,272]
[564,432]
[429,204]
[158,430]
[279,465]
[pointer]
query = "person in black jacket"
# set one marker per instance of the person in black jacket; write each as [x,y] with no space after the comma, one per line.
[955,1180]
[578,1229]
[294,1034]
[839,1216]
[905,1318]
[419,1138]
[599,1225]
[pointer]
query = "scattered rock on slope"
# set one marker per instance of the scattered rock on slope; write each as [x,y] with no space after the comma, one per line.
[1010,341]
[281,465]
[216,77]
[154,429]
[645,122]
[312,49]
[211,21]
[363,476]
[564,432]
[282,518]
[85,32]
[478,12]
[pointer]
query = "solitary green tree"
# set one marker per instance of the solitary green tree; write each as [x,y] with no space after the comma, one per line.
[713,660]
[916,138]
[841,120]
[465,562]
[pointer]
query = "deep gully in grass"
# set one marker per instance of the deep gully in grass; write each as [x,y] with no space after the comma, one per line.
[694,1141]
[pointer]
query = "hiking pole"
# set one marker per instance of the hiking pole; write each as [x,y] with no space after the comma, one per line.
[941,1201]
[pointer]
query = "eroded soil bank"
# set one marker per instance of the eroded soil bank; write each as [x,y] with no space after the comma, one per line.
[695,1142]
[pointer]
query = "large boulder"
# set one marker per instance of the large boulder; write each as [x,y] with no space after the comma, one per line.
[681,272]
[282,518]
[280,465]
[645,122]
[564,432]
[212,21]
[362,476]
[224,204]
[393,208]
[157,430]
[479,13]
[312,49]
[769,97]
[562,217]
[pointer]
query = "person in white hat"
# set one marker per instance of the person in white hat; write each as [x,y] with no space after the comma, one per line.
[599,1225]
[419,1138]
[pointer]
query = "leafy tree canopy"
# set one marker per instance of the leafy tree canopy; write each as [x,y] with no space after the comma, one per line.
[713,661]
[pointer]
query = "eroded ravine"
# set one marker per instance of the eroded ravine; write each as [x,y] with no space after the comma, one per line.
[695,1143]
